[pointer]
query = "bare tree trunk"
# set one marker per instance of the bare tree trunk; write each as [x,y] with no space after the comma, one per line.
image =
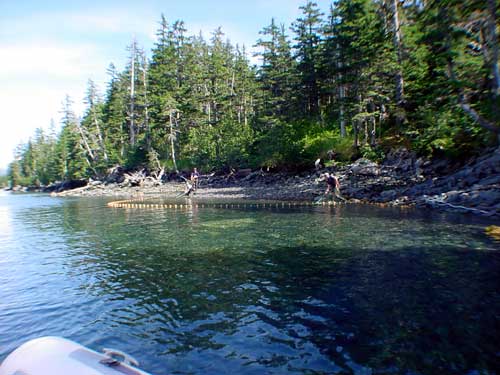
[83,137]
[366,132]
[397,41]
[488,125]
[99,136]
[341,86]
[172,137]
[232,84]
[146,103]
[343,132]
[492,26]
[356,138]
[462,99]
[245,113]
[381,117]
[132,96]
[122,146]
[89,163]
[373,132]
[372,124]
[493,41]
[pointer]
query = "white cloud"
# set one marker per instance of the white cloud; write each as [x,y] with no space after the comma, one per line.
[86,23]
[46,56]
[35,78]
[45,59]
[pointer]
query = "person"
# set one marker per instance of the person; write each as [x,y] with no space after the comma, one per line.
[189,188]
[333,185]
[318,164]
[195,175]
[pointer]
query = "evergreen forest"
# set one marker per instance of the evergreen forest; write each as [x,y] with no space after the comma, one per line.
[358,80]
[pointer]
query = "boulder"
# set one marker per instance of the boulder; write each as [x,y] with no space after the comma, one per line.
[388,195]
[486,197]
[115,175]
[65,185]
[365,167]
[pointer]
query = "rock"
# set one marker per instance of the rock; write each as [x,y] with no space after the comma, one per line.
[400,180]
[439,167]
[454,196]
[115,175]
[487,197]
[65,185]
[95,182]
[388,195]
[404,161]
[365,167]
[243,172]
[494,179]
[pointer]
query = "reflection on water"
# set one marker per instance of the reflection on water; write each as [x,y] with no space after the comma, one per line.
[213,291]
[5,220]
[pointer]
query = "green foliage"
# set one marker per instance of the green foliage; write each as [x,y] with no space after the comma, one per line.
[319,144]
[286,145]
[136,157]
[331,85]
[375,154]
[277,146]
[451,135]
[4,181]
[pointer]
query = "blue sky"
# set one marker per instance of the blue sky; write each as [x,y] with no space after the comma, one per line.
[51,48]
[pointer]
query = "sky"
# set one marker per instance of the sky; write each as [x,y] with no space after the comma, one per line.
[50,49]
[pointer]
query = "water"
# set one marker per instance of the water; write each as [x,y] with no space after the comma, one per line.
[337,290]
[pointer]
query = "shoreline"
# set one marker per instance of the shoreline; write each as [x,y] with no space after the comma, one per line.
[401,180]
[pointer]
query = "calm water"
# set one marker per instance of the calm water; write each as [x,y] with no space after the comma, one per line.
[238,291]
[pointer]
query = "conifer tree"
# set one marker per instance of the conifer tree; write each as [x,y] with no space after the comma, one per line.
[74,152]
[276,73]
[356,40]
[92,126]
[115,116]
[307,34]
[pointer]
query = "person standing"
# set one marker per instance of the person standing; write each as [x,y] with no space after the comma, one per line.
[195,175]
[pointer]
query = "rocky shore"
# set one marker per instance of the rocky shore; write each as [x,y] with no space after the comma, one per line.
[401,179]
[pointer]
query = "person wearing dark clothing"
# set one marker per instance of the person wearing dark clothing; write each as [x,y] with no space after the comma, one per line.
[332,185]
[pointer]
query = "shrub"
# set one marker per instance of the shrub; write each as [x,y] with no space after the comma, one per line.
[318,145]
[372,153]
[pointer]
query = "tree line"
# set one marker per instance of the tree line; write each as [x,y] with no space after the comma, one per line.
[363,77]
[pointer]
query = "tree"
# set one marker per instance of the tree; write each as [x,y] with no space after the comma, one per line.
[93,127]
[398,47]
[114,114]
[132,114]
[355,39]
[276,74]
[307,34]
[455,34]
[73,149]
[14,173]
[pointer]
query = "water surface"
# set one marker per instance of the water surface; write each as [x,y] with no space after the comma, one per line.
[335,290]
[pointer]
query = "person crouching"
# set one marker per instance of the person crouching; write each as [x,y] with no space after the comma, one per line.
[332,185]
